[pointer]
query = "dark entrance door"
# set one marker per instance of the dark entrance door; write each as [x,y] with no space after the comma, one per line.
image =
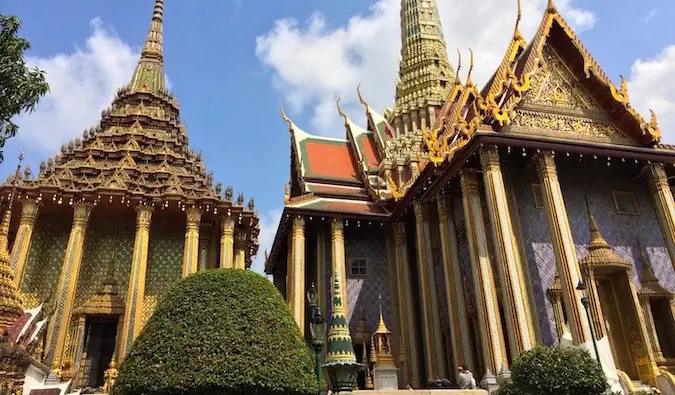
[99,347]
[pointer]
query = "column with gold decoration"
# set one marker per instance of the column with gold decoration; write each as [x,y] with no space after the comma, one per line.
[434,361]
[516,306]
[563,246]
[139,263]
[227,242]
[65,293]
[407,311]
[29,213]
[240,251]
[664,204]
[191,250]
[489,320]
[338,258]
[454,285]
[297,298]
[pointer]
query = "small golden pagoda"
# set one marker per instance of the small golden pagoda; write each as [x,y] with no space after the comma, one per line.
[131,187]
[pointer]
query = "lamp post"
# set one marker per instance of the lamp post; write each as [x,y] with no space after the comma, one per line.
[317,327]
[585,301]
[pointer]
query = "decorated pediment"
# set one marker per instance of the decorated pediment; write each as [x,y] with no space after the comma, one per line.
[557,105]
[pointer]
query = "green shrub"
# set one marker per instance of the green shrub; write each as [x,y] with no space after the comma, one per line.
[219,332]
[555,371]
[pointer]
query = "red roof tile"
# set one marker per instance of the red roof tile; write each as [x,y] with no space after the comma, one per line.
[328,159]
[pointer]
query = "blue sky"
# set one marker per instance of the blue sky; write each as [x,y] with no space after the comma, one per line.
[232,62]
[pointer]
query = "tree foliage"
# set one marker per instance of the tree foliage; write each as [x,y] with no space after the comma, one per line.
[219,332]
[555,371]
[20,87]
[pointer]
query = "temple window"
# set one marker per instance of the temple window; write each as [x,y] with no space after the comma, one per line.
[537,196]
[625,203]
[358,267]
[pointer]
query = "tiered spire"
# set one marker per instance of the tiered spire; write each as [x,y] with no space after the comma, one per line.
[149,73]
[424,69]
[10,303]
[600,253]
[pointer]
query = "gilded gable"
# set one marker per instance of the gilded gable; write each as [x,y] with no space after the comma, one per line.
[557,105]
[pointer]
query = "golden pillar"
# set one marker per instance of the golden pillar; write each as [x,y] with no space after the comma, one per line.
[407,311]
[297,295]
[240,251]
[509,266]
[664,205]
[29,213]
[205,245]
[139,264]
[460,338]
[227,243]
[432,335]
[489,320]
[651,329]
[338,258]
[191,250]
[555,296]
[563,247]
[65,293]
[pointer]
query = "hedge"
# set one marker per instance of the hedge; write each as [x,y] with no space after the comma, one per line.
[555,371]
[220,332]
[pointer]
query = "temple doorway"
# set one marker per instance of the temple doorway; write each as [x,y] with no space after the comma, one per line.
[98,349]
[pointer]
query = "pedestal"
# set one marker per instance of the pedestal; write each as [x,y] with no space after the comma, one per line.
[386,378]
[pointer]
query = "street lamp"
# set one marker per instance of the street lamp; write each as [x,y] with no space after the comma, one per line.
[585,301]
[317,327]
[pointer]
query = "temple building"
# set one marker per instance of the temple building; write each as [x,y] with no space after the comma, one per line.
[477,212]
[109,223]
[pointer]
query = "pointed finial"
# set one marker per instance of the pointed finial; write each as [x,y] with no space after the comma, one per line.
[286,119]
[342,114]
[653,122]
[468,77]
[596,236]
[358,92]
[459,67]
[516,31]
[550,7]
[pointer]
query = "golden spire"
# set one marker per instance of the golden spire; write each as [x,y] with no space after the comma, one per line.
[550,7]
[424,68]
[599,251]
[149,73]
[10,304]
[381,326]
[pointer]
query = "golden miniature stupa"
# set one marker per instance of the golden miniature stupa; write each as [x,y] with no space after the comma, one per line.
[116,217]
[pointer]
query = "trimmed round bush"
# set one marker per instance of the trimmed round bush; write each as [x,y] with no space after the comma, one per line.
[219,332]
[555,371]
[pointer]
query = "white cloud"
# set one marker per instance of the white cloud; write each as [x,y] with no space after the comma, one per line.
[269,222]
[82,83]
[652,86]
[313,65]
[650,15]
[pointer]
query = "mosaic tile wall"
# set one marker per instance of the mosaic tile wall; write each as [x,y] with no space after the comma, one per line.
[165,261]
[45,258]
[369,243]
[597,181]
[437,261]
[460,228]
[106,242]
